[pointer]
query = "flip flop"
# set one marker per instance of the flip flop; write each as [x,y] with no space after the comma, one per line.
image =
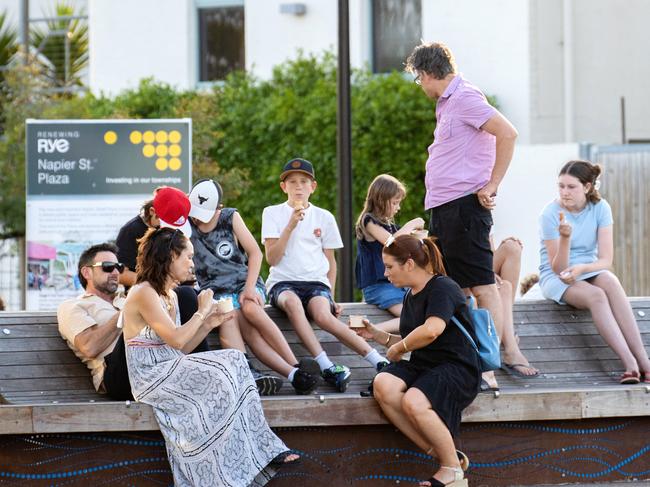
[630,378]
[512,370]
[282,459]
[485,387]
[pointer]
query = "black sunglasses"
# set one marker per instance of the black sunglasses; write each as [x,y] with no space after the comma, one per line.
[171,240]
[109,267]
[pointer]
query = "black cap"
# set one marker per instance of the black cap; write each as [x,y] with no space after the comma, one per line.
[298,165]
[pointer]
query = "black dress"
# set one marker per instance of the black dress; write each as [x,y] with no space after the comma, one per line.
[447,371]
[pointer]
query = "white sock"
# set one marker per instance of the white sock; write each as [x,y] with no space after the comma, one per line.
[323,360]
[291,374]
[374,358]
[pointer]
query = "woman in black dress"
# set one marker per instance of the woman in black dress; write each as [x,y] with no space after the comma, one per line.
[424,396]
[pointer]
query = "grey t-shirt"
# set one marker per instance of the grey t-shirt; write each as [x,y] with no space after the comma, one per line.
[220,263]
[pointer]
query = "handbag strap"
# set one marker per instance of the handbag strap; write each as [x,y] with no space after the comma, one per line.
[462,328]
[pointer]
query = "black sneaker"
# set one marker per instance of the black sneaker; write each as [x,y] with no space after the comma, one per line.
[305,380]
[382,364]
[338,376]
[267,385]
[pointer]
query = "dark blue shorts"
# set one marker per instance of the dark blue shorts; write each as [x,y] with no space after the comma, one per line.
[305,290]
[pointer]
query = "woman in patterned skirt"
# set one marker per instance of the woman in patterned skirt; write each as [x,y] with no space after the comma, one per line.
[206,404]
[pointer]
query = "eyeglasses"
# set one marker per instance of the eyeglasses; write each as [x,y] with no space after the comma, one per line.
[109,267]
[418,79]
[171,240]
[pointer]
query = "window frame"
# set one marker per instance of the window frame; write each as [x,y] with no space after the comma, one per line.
[207,4]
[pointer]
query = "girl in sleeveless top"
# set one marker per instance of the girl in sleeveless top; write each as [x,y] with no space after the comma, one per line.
[375,225]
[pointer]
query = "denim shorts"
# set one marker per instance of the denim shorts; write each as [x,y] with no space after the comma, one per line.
[383,295]
[235,296]
[305,290]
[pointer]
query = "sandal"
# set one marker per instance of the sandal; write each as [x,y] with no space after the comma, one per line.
[281,459]
[630,378]
[462,458]
[459,479]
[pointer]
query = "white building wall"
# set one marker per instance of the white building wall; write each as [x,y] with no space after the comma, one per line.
[490,41]
[612,59]
[131,40]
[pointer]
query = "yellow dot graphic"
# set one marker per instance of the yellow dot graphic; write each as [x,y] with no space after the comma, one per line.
[161,150]
[161,163]
[148,150]
[110,137]
[175,150]
[174,137]
[161,136]
[175,164]
[135,137]
[148,137]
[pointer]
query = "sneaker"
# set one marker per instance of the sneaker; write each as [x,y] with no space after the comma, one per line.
[305,380]
[381,365]
[267,385]
[338,376]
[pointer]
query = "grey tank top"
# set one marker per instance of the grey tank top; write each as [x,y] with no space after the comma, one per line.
[220,263]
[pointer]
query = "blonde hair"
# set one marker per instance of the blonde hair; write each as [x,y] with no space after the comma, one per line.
[382,189]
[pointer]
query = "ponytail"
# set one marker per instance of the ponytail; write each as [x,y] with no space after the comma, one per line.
[424,252]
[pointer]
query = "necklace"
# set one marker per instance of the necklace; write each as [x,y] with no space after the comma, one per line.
[168,301]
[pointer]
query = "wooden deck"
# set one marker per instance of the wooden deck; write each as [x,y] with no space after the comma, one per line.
[45,388]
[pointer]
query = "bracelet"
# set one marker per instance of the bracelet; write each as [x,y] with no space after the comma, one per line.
[406,350]
[200,315]
[387,339]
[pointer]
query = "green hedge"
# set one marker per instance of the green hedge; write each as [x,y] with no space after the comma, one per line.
[246,128]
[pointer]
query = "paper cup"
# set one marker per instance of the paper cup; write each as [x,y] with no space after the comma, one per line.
[356,321]
[224,305]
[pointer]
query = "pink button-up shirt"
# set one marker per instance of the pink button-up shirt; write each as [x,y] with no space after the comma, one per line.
[462,155]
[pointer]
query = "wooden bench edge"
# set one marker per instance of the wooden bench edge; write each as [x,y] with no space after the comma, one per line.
[333,410]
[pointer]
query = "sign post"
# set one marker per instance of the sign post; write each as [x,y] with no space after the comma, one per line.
[85,179]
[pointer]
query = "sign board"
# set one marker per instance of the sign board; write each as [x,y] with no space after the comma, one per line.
[85,179]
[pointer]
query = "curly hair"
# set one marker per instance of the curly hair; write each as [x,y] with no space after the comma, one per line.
[586,173]
[424,252]
[156,251]
[434,58]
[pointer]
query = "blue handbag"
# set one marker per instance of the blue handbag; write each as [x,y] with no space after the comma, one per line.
[486,334]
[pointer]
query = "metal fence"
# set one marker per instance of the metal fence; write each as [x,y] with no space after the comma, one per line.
[626,173]
[11,265]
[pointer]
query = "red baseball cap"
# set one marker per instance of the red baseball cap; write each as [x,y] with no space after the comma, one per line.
[172,207]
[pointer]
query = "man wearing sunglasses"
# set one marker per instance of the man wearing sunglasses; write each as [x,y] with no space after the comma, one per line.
[88,322]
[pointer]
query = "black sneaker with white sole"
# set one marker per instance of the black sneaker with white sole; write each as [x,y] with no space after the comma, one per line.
[267,385]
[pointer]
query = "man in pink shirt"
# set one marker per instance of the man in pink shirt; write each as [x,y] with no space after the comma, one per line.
[472,148]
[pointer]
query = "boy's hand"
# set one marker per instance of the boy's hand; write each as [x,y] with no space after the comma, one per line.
[250,294]
[297,216]
[337,309]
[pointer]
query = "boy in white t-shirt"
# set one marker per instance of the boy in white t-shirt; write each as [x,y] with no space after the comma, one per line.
[300,239]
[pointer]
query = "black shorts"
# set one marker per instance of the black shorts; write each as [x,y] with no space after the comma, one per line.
[305,290]
[462,228]
[449,387]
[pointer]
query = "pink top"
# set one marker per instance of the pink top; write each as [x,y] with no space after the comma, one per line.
[462,155]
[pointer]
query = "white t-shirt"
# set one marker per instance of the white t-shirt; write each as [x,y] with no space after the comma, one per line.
[303,259]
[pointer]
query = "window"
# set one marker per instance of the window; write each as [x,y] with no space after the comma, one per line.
[221,41]
[396,30]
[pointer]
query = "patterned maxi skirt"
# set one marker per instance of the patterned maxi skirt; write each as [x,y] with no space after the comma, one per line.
[208,410]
